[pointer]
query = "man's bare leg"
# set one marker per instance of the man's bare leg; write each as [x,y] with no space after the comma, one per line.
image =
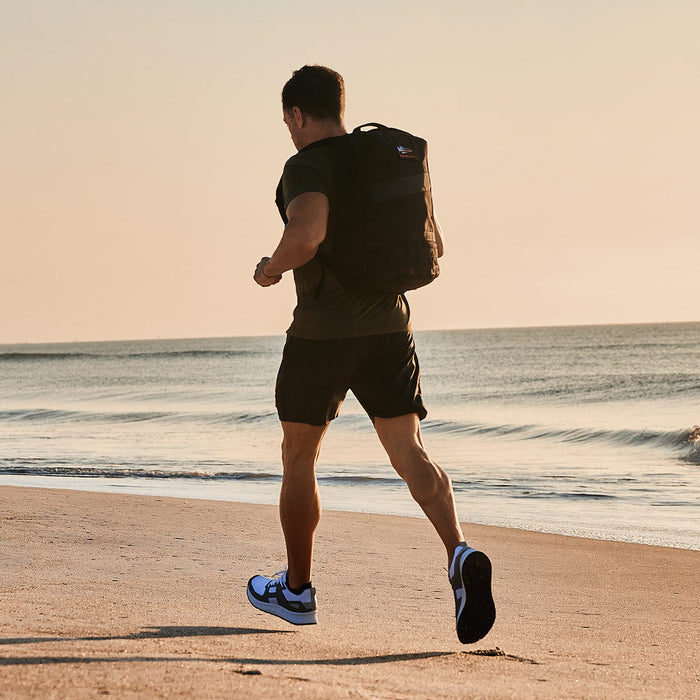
[429,485]
[300,505]
[469,570]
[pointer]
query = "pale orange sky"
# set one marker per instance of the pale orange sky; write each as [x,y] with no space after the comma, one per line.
[142,142]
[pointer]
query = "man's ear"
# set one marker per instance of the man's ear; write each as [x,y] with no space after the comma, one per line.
[299,117]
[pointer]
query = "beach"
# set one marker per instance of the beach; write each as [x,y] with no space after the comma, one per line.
[143,596]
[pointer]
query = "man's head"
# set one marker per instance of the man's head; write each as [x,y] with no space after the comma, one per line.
[317,91]
[313,103]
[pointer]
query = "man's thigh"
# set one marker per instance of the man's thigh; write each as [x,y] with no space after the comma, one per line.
[386,380]
[301,445]
[312,381]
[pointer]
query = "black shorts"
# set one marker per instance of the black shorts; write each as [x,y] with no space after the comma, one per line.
[381,370]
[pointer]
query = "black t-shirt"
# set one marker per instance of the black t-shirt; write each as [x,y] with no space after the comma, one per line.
[325,309]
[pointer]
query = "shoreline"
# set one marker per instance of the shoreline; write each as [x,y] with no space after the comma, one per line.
[141,595]
[402,506]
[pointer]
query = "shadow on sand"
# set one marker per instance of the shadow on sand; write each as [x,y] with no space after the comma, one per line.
[177,631]
[151,633]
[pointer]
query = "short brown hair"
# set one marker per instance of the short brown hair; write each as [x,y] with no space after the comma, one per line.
[317,91]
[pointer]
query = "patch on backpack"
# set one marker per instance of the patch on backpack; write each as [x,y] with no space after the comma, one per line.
[406,152]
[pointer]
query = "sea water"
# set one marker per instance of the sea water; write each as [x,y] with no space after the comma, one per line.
[586,430]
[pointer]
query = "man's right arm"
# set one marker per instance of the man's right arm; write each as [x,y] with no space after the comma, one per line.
[307,217]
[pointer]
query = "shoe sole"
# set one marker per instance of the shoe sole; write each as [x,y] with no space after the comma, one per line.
[296,618]
[478,612]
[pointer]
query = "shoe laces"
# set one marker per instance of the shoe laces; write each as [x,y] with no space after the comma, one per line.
[279,578]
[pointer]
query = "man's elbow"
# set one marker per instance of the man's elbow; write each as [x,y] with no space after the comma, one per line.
[307,249]
[305,246]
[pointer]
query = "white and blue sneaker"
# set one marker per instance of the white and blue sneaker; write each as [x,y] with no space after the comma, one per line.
[272,595]
[470,576]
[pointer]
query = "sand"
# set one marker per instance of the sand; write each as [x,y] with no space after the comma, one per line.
[135,596]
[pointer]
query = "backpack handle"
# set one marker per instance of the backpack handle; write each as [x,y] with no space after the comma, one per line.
[374,124]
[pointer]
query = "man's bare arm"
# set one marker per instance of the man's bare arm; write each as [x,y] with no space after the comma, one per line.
[307,217]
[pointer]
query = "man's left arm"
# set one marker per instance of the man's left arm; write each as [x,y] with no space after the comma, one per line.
[307,217]
[439,238]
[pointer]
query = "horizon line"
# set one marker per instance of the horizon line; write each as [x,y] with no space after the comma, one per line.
[282,334]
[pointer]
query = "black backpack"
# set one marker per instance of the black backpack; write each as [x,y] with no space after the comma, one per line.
[381,229]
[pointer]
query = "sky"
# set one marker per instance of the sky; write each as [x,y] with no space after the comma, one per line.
[141,142]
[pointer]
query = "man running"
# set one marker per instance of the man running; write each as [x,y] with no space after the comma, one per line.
[343,339]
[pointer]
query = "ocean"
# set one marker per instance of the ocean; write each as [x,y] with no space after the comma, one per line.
[585,430]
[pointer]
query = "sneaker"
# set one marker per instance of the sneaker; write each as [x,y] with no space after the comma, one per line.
[272,595]
[470,576]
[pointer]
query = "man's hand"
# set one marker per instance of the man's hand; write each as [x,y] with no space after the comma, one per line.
[261,278]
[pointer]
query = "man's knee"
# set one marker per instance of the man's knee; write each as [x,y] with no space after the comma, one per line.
[301,445]
[296,456]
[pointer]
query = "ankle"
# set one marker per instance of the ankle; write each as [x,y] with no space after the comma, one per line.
[300,590]
[452,551]
[295,585]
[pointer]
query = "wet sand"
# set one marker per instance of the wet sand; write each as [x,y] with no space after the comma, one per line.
[135,596]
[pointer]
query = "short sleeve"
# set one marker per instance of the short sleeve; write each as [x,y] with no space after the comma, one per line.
[305,173]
